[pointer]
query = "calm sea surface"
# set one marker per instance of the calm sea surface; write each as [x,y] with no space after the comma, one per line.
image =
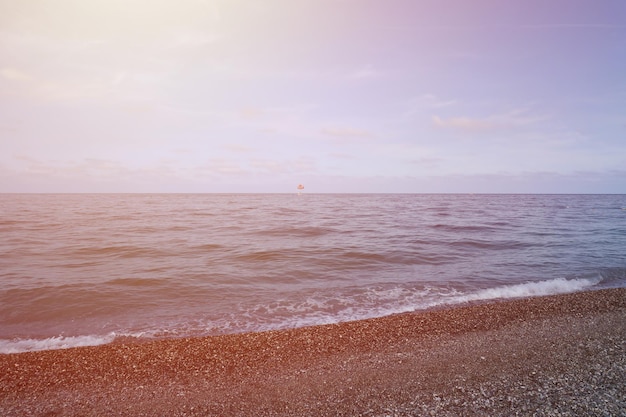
[80,269]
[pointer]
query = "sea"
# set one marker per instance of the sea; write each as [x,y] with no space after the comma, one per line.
[90,269]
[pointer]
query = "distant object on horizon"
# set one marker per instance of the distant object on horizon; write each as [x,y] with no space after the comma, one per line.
[300,188]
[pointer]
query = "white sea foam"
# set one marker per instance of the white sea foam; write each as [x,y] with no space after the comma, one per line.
[528,289]
[384,302]
[57,342]
[317,309]
[278,262]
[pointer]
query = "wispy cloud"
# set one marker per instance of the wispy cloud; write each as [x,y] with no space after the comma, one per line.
[346,132]
[341,155]
[513,119]
[87,167]
[464,123]
[287,166]
[237,148]
[424,104]
[366,72]
[221,166]
[214,93]
[84,83]
[9,129]
[428,101]
[190,39]
[14,74]
[250,113]
[484,28]
[574,26]
[426,162]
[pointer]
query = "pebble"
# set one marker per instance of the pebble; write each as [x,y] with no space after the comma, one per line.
[547,356]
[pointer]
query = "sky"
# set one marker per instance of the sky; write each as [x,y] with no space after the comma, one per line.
[343,96]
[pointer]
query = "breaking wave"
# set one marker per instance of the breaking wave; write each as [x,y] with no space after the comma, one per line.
[317,309]
[76,268]
[53,343]
[529,289]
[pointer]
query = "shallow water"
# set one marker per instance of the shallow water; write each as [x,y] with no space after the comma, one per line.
[83,269]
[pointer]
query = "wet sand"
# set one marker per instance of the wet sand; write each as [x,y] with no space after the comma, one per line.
[561,355]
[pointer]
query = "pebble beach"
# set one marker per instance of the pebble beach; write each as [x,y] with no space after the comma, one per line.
[562,355]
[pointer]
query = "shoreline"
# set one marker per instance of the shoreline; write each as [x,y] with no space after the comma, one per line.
[561,354]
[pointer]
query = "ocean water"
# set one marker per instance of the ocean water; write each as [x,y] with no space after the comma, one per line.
[80,269]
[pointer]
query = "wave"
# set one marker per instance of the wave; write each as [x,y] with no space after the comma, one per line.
[464,228]
[263,256]
[207,247]
[306,232]
[53,343]
[136,282]
[492,245]
[374,302]
[528,289]
[120,251]
[316,309]
[365,303]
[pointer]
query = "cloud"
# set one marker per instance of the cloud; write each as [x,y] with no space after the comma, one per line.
[68,81]
[269,165]
[98,170]
[87,167]
[366,72]
[432,101]
[426,162]
[268,130]
[28,174]
[14,75]
[251,113]
[226,175]
[182,151]
[288,166]
[426,102]
[233,147]
[221,167]
[346,132]
[8,129]
[341,155]
[464,123]
[304,164]
[574,26]
[514,119]
[193,40]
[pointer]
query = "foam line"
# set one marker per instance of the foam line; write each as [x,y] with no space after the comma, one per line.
[57,342]
[529,289]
